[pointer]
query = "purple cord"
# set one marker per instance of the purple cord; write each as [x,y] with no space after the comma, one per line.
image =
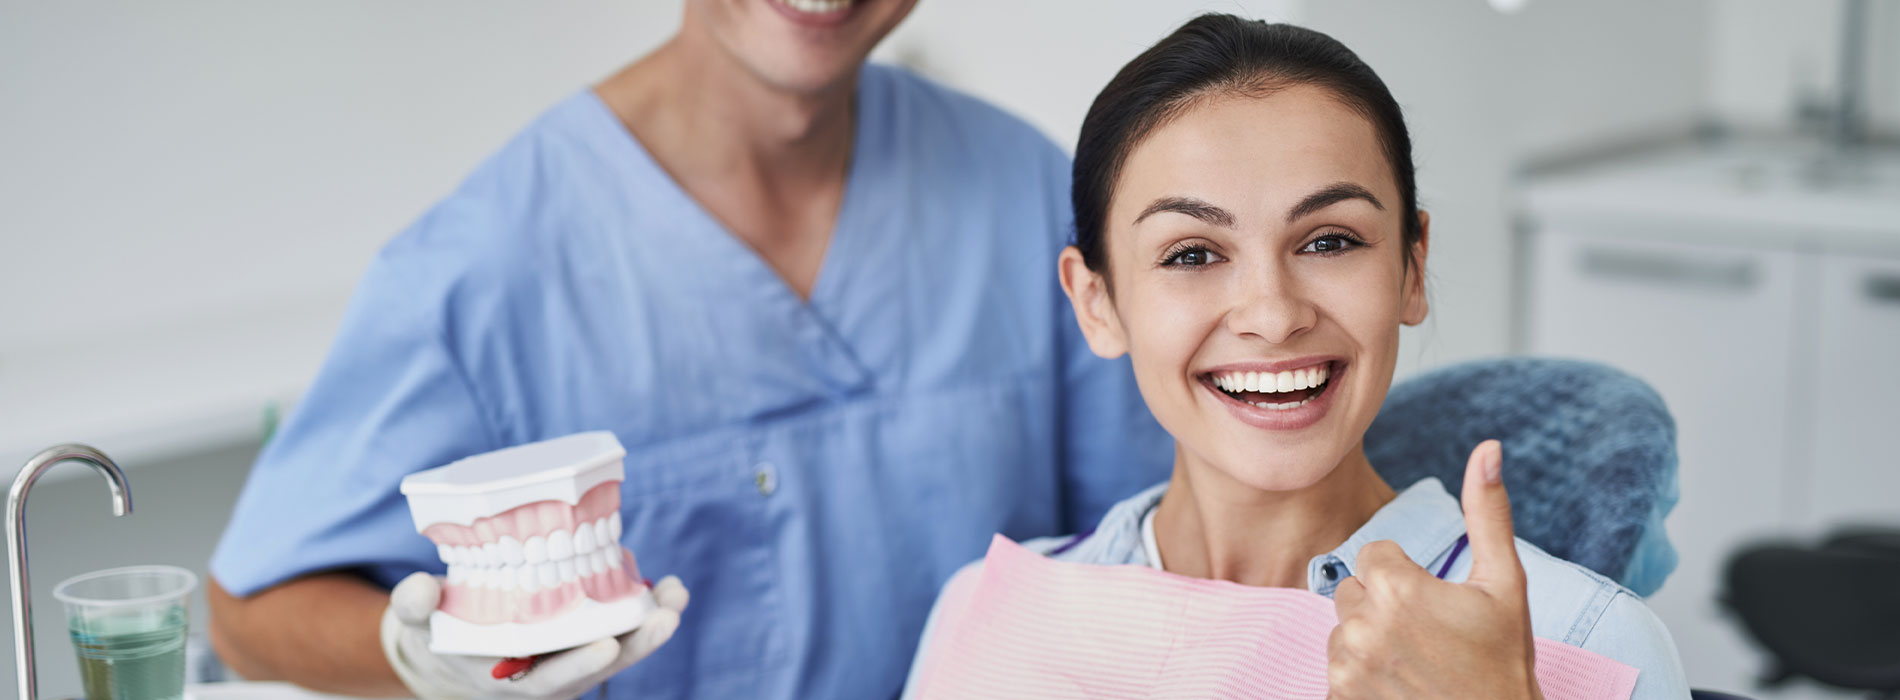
[1456,550]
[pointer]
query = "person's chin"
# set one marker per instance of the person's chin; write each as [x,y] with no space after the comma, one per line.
[805,70]
[1286,478]
[1286,470]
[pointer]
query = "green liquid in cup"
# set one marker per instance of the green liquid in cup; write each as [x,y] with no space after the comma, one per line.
[134,657]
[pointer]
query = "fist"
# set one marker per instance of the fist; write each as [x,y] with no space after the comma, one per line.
[1403,633]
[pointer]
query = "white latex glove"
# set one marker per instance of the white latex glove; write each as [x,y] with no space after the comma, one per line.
[559,676]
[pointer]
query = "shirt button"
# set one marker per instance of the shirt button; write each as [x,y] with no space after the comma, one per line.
[1330,570]
[766,479]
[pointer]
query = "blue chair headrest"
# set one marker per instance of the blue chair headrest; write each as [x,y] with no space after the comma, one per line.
[1589,455]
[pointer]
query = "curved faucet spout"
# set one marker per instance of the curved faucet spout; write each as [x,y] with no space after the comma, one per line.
[16,532]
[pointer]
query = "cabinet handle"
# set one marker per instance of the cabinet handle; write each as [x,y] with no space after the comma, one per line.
[1883,288]
[1669,269]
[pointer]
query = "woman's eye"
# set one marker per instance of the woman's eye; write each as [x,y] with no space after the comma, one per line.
[1331,243]
[1190,257]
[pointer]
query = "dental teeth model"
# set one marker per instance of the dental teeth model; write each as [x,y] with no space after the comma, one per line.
[531,535]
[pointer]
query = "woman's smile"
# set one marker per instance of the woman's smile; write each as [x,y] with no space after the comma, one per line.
[1270,396]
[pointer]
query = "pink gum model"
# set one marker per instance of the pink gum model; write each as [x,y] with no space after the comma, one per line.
[535,561]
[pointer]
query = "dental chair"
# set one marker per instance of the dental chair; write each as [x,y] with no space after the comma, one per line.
[1589,456]
[1829,612]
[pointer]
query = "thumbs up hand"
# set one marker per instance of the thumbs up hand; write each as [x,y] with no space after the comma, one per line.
[1404,633]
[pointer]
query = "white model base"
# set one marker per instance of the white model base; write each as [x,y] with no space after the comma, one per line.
[583,623]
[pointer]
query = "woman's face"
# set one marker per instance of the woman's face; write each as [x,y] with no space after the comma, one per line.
[1254,248]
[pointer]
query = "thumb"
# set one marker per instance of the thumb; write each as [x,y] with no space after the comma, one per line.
[1487,507]
[414,598]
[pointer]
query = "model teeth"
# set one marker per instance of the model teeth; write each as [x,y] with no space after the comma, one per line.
[817,6]
[1273,382]
[539,563]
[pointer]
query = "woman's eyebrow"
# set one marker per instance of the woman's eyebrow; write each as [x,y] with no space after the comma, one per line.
[1190,206]
[1330,195]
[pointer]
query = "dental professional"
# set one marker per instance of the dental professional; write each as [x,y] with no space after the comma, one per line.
[810,296]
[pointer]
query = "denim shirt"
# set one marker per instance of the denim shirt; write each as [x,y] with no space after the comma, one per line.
[1569,603]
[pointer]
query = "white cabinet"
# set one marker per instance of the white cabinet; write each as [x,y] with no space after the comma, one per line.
[1853,423]
[1764,306]
[1711,329]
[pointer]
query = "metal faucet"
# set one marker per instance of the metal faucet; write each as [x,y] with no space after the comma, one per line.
[16,531]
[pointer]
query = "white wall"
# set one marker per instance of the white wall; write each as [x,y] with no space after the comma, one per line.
[169,161]
[1765,54]
[1044,60]
[1484,91]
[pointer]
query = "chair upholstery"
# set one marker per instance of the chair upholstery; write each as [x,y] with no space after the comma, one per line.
[1830,613]
[1589,454]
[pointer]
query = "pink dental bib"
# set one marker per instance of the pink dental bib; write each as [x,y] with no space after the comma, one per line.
[1033,627]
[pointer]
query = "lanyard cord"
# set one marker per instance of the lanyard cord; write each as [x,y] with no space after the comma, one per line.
[1456,550]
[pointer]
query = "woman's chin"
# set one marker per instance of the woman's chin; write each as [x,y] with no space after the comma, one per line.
[1278,474]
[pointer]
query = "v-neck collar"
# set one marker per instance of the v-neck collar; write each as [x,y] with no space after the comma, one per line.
[822,350]
[866,135]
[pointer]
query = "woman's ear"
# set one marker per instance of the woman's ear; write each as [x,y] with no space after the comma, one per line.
[1416,305]
[1094,308]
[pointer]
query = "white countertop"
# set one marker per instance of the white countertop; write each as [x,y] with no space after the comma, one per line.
[1770,194]
[148,395]
[252,691]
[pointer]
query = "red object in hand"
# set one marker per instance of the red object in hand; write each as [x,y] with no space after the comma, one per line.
[512,668]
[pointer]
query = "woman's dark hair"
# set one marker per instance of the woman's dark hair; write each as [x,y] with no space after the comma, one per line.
[1220,54]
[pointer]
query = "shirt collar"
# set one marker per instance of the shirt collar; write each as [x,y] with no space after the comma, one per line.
[1424,520]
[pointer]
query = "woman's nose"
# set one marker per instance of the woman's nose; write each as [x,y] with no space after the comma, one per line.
[1270,305]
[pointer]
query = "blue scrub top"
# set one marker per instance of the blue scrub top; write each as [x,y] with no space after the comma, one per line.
[814,471]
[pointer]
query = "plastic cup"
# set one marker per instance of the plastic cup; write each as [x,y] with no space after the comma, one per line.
[129,626]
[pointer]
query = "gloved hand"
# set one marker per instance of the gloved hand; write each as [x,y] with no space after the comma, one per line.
[559,676]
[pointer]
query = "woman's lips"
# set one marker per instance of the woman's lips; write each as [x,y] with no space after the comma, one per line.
[1310,409]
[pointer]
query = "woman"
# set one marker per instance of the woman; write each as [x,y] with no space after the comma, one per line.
[1248,234]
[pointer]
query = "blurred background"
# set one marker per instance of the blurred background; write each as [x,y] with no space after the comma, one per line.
[1705,193]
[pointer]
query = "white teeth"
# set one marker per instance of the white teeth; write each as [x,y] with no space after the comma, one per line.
[1272,382]
[540,562]
[817,6]
[583,540]
[1290,405]
[600,560]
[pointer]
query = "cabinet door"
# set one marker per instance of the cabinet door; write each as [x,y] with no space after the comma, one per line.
[1855,375]
[1711,329]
